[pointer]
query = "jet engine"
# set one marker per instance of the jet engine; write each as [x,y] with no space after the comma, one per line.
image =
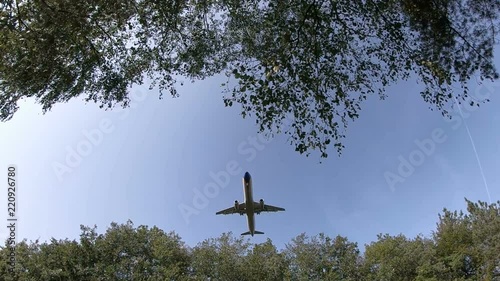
[236,205]
[262,204]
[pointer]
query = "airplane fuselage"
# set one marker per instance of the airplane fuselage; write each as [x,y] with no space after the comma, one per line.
[248,193]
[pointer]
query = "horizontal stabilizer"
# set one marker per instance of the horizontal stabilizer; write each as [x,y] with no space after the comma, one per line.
[255,232]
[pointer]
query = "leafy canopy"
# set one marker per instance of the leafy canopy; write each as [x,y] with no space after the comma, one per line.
[302,68]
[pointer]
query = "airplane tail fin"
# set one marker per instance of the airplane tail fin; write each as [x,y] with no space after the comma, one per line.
[255,232]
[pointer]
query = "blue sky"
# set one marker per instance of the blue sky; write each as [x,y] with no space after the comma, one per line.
[148,162]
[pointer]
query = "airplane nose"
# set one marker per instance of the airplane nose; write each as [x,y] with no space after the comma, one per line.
[247,176]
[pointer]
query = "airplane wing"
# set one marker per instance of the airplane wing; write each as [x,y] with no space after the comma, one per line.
[241,210]
[260,207]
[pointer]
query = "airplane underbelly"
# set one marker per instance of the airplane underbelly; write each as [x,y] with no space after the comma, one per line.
[251,222]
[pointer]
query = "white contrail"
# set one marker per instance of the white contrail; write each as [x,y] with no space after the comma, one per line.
[475,151]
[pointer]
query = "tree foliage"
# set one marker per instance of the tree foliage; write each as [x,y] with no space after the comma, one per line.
[396,257]
[463,247]
[323,258]
[299,67]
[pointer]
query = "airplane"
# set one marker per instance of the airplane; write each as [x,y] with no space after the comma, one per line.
[249,207]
